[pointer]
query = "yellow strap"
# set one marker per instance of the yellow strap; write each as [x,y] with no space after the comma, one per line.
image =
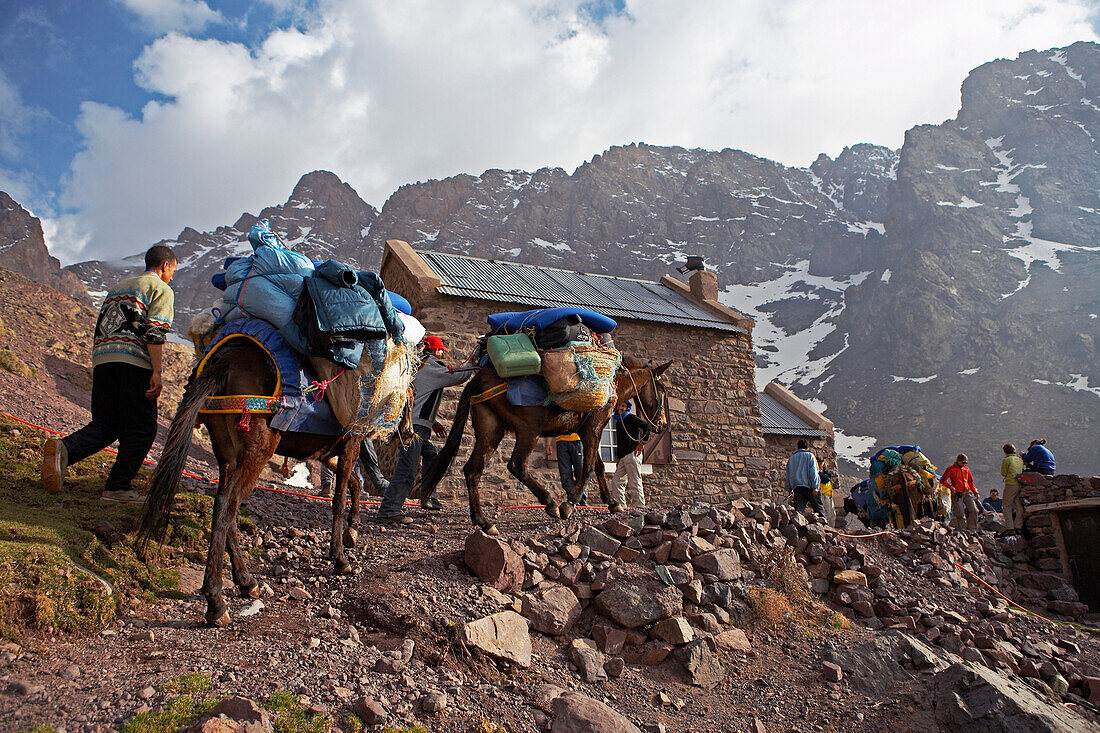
[489,394]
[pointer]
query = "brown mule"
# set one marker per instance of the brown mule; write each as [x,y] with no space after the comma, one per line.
[496,416]
[239,367]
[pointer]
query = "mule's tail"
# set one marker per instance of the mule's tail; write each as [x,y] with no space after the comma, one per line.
[454,439]
[166,476]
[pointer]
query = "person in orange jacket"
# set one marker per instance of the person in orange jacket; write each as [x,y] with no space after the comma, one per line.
[964,496]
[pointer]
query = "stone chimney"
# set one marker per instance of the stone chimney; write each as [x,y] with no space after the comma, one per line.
[704,284]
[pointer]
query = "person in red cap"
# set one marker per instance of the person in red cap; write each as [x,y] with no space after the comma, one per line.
[432,378]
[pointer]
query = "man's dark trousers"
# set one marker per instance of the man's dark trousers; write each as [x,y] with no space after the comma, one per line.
[122,412]
[570,465]
[419,449]
[804,495]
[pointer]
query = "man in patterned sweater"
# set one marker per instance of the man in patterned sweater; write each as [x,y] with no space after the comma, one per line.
[126,379]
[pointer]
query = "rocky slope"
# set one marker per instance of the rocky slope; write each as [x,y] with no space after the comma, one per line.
[23,249]
[901,289]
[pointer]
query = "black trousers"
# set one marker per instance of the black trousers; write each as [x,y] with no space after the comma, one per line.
[122,412]
[804,495]
[570,464]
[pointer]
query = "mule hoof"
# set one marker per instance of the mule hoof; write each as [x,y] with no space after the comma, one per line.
[341,566]
[492,531]
[251,591]
[552,510]
[566,510]
[351,536]
[218,621]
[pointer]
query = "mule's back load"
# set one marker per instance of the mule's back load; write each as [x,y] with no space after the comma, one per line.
[568,348]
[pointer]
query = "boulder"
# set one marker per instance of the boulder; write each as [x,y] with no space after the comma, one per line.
[599,541]
[589,663]
[503,635]
[370,711]
[639,601]
[574,712]
[700,663]
[724,564]
[850,577]
[972,697]
[552,609]
[733,640]
[494,562]
[675,630]
[234,715]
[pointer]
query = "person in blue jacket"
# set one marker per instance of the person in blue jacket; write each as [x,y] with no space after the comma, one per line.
[803,478]
[1039,459]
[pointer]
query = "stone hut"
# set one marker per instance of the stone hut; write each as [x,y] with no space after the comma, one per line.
[714,449]
[785,419]
[1062,519]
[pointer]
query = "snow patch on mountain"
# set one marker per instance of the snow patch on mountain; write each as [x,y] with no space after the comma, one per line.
[787,355]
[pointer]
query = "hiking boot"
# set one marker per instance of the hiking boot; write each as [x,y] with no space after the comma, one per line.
[432,504]
[55,460]
[395,519]
[126,496]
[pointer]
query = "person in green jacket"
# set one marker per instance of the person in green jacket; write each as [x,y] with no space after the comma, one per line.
[1013,506]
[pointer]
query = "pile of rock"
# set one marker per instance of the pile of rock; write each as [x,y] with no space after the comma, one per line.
[639,587]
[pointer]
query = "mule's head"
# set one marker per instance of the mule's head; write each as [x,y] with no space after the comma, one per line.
[651,399]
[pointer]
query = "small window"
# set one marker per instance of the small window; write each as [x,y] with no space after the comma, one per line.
[607,443]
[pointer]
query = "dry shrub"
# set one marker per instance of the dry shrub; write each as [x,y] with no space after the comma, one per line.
[788,598]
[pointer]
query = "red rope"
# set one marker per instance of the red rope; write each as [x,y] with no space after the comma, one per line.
[264,488]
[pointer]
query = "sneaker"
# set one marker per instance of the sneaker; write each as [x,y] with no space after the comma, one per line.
[432,504]
[126,496]
[55,460]
[395,519]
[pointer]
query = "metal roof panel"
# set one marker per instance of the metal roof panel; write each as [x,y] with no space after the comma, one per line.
[775,419]
[541,287]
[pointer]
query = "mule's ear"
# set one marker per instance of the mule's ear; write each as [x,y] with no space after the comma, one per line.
[659,370]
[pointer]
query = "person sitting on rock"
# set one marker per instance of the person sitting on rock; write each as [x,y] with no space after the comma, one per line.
[964,504]
[1039,459]
[993,502]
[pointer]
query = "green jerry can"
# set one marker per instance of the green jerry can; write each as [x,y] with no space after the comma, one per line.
[513,355]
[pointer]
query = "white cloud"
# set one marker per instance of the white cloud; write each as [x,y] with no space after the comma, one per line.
[173,15]
[386,93]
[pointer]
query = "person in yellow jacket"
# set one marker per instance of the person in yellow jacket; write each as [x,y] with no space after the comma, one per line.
[1013,506]
[570,464]
[828,484]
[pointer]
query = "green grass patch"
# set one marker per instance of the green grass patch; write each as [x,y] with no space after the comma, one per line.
[190,683]
[53,546]
[414,728]
[177,712]
[289,715]
[9,361]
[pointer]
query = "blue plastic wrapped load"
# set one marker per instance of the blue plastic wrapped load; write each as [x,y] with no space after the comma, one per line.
[400,303]
[267,284]
[542,317]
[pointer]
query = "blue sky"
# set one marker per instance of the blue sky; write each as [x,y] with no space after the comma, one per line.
[122,121]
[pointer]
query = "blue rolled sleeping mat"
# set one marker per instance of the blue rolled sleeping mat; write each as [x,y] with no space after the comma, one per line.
[541,318]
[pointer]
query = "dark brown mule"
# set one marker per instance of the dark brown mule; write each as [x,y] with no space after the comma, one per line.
[237,368]
[495,417]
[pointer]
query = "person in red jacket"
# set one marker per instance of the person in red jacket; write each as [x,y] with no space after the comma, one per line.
[964,495]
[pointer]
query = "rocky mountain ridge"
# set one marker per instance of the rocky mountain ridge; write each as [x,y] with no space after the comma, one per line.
[23,249]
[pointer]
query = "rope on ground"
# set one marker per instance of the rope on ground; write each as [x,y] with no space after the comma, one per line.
[258,486]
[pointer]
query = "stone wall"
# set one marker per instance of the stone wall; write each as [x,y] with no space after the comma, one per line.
[1046,549]
[718,449]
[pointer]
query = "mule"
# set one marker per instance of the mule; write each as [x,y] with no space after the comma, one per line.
[495,417]
[241,368]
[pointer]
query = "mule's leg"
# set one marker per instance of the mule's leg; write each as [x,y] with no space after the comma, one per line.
[245,582]
[488,432]
[240,462]
[348,456]
[517,465]
[351,531]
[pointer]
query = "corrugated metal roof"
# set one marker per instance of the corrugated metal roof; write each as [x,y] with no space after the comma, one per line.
[542,287]
[775,419]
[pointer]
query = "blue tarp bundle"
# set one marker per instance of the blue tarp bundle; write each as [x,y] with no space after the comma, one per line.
[542,317]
